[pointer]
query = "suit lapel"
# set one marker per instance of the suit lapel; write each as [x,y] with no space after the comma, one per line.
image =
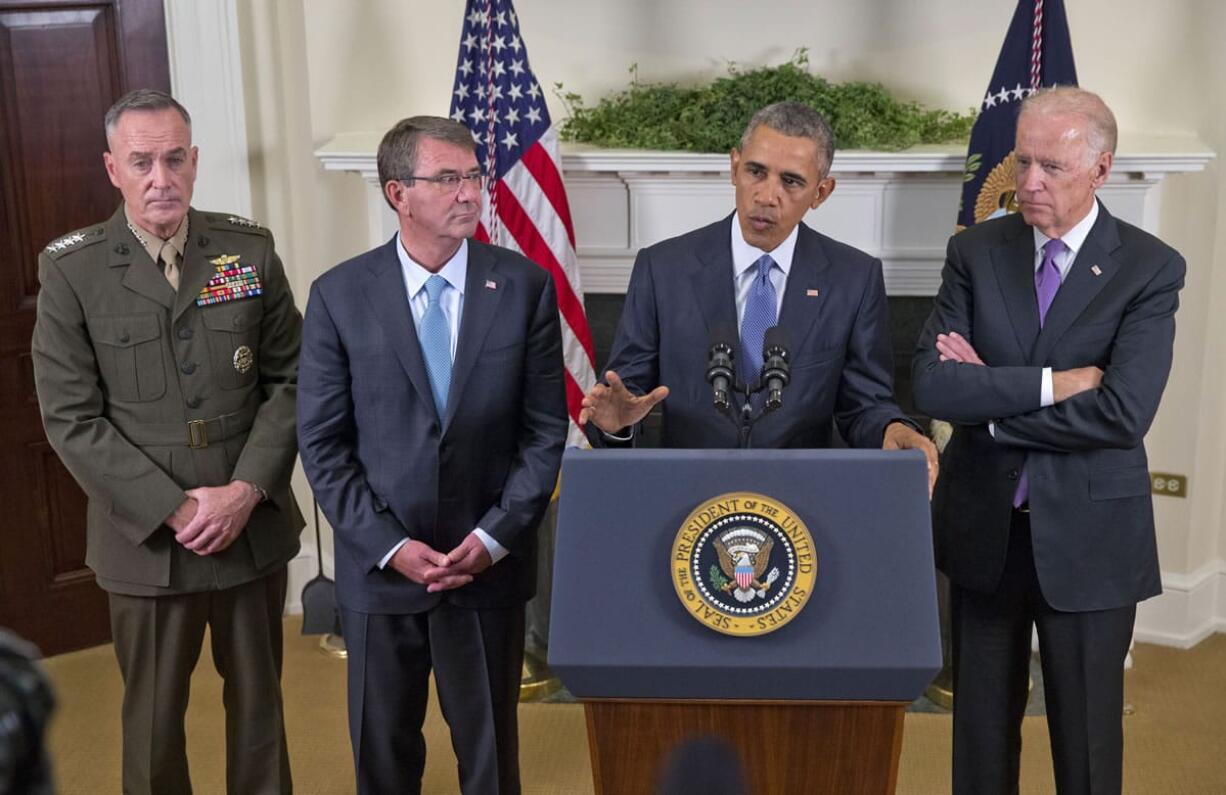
[1013,264]
[1082,284]
[142,275]
[712,280]
[386,293]
[807,284]
[483,290]
[196,270]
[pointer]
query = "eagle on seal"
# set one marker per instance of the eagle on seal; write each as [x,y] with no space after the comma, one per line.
[743,564]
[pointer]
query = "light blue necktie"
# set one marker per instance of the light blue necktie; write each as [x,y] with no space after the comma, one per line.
[435,336]
[760,309]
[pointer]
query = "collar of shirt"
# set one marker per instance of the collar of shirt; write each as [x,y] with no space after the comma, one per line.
[455,271]
[745,255]
[152,244]
[1074,239]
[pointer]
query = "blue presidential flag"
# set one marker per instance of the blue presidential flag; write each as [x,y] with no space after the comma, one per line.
[1037,53]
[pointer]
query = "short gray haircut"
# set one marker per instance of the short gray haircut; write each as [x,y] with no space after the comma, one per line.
[397,158]
[1101,130]
[798,121]
[142,99]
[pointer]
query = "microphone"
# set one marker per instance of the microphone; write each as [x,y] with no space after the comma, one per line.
[720,373]
[776,367]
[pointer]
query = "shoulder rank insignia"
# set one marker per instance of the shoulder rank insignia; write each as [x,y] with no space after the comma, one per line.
[231,280]
[66,242]
[238,220]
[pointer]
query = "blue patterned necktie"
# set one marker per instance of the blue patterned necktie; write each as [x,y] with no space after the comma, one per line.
[1046,283]
[760,308]
[435,336]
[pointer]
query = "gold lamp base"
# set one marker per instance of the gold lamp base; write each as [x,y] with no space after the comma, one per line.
[941,690]
[538,682]
[333,646]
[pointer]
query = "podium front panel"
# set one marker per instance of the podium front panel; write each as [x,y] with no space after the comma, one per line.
[867,632]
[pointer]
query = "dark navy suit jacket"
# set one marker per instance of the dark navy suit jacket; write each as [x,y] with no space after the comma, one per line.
[1092,523]
[385,466]
[834,314]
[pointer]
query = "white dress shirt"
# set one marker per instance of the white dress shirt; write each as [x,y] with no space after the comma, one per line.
[1073,240]
[455,271]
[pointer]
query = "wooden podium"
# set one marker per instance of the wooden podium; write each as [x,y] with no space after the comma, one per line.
[816,706]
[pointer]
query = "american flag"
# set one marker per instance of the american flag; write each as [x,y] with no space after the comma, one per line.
[499,99]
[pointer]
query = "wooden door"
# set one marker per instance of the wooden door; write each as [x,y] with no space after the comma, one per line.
[62,65]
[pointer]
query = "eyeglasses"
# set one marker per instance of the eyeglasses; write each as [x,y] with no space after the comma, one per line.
[449,182]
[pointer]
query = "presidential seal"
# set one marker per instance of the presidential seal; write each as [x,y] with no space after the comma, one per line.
[743,564]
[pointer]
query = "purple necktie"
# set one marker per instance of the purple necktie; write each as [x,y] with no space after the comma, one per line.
[1046,283]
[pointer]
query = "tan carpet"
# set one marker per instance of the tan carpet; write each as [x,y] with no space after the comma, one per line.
[1176,740]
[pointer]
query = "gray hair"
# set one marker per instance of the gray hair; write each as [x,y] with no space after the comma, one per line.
[142,99]
[397,158]
[1101,131]
[799,121]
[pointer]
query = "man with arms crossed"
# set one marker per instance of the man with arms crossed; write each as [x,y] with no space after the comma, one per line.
[1048,348]
[758,268]
[432,415]
[165,356]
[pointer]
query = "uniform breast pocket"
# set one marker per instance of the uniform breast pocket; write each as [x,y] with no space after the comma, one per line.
[233,331]
[130,358]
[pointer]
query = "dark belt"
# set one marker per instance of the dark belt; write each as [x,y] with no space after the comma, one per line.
[195,434]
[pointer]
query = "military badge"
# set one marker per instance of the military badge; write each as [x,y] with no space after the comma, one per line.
[66,242]
[743,564]
[243,358]
[231,280]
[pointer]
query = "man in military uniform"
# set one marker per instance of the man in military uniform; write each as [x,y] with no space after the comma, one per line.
[165,356]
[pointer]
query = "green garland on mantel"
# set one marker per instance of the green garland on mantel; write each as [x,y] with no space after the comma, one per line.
[711,118]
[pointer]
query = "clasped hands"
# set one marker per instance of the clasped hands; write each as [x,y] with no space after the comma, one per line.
[211,517]
[438,572]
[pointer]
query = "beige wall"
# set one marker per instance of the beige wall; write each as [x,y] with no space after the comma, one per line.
[318,67]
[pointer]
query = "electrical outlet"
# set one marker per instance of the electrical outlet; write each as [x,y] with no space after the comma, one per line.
[1169,485]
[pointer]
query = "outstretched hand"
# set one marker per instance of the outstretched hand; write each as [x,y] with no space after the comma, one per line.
[614,407]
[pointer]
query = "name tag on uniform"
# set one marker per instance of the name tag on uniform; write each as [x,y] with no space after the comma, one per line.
[232,280]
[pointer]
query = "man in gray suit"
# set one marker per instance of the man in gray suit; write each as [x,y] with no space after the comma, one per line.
[1049,348]
[165,356]
[432,415]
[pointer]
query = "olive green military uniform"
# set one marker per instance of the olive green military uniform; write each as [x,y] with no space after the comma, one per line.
[147,391]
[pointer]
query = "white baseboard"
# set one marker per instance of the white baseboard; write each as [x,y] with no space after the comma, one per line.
[1191,608]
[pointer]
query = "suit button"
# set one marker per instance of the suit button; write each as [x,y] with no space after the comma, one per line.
[238,321]
[193,403]
[124,336]
[1013,474]
[185,333]
[188,368]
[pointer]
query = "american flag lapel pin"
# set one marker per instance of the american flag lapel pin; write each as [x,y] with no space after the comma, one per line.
[1097,271]
[812,292]
[490,284]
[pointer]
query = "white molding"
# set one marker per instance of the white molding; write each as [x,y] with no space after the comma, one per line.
[206,76]
[1191,607]
[898,206]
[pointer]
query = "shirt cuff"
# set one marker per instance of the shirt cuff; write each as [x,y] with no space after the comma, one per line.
[613,437]
[1047,394]
[387,558]
[992,429]
[497,551]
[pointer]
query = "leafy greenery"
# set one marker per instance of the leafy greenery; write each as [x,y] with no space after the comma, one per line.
[718,580]
[711,118]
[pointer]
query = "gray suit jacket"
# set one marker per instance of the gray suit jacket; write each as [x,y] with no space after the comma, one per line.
[385,466]
[1091,517]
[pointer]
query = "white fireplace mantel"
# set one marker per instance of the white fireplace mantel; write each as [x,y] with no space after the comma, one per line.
[898,206]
